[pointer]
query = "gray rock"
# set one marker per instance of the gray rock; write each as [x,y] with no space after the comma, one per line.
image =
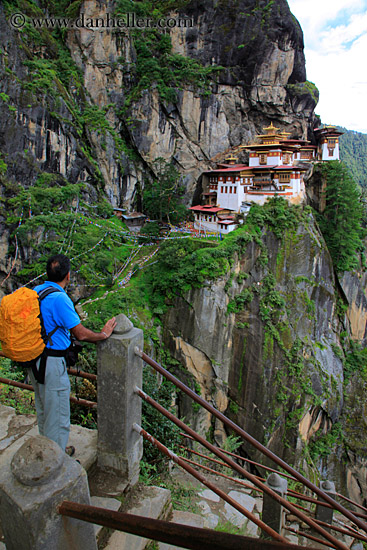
[210,495]
[85,442]
[103,502]
[233,515]
[154,503]
[252,530]
[6,415]
[185,518]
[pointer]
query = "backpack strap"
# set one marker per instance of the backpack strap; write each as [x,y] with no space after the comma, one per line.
[41,296]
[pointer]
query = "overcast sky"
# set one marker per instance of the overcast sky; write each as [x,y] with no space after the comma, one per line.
[335,35]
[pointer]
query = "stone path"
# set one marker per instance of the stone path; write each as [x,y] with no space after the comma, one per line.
[210,511]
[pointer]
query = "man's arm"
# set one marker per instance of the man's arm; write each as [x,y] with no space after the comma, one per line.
[83,334]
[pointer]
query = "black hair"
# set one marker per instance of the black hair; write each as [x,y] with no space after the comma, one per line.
[58,266]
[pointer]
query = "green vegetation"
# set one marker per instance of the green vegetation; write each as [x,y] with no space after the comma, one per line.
[323,446]
[353,152]
[162,198]
[187,263]
[354,359]
[58,80]
[22,401]
[157,424]
[303,88]
[52,217]
[341,221]
[155,63]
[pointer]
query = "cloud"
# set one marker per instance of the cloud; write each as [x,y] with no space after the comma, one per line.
[337,39]
[315,15]
[335,35]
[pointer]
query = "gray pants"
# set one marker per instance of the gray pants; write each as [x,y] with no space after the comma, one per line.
[52,401]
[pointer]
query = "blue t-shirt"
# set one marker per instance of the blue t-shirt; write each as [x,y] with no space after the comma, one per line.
[58,311]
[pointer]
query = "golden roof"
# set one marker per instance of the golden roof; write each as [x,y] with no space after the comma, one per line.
[231,159]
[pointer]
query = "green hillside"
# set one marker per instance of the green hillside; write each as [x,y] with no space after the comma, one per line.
[353,151]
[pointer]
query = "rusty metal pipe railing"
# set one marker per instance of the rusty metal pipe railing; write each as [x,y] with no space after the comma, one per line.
[176,534]
[83,374]
[344,531]
[308,536]
[239,469]
[208,458]
[290,493]
[210,470]
[248,461]
[21,385]
[351,502]
[318,502]
[294,494]
[352,529]
[172,456]
[336,505]
[235,480]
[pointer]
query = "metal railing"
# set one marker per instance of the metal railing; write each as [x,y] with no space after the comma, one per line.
[122,521]
[75,400]
[194,538]
[328,500]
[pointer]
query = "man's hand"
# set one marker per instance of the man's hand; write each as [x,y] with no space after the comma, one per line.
[109,326]
[83,334]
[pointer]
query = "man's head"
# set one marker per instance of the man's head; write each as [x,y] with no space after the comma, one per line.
[58,267]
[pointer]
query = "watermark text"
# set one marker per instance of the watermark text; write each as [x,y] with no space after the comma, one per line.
[122,22]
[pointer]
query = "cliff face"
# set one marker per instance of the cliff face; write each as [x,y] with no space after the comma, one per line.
[261,52]
[75,104]
[273,362]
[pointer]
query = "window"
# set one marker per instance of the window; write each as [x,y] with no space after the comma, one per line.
[286,158]
[331,151]
[230,189]
[235,190]
[305,154]
[262,159]
[222,189]
[226,189]
[284,178]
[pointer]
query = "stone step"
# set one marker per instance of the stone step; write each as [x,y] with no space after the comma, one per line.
[14,429]
[185,518]
[150,502]
[102,502]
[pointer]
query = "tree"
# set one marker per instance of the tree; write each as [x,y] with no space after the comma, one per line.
[341,221]
[162,199]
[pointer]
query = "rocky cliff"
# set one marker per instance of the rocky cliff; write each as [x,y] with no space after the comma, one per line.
[97,106]
[265,344]
[94,104]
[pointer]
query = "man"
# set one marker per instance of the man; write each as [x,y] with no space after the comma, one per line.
[60,318]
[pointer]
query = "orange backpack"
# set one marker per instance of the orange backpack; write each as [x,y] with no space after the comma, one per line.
[22,333]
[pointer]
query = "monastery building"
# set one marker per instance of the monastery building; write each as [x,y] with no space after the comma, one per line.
[276,167]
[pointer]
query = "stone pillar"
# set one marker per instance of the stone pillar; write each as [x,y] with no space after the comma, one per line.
[323,513]
[33,483]
[119,448]
[273,512]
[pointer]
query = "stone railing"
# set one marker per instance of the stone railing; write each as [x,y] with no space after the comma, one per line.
[38,476]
